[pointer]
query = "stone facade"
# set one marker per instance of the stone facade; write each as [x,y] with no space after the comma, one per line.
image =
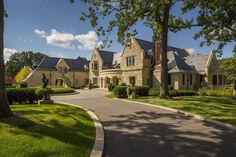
[60,73]
[139,64]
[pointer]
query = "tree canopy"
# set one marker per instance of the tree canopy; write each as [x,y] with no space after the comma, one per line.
[21,59]
[228,65]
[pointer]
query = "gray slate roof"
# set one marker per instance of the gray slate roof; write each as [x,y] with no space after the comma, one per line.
[107,57]
[74,64]
[147,45]
[179,59]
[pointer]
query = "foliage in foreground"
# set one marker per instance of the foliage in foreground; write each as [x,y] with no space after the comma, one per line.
[47,130]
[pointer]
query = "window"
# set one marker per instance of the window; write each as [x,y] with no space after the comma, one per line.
[191,79]
[76,81]
[132,80]
[169,79]
[224,79]
[60,69]
[151,59]
[95,80]
[95,66]
[220,79]
[183,79]
[130,61]
[201,78]
[214,79]
[65,70]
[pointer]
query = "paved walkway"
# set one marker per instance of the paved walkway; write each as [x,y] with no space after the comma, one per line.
[134,130]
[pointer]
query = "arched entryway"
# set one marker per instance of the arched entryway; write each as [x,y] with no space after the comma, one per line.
[63,82]
[115,81]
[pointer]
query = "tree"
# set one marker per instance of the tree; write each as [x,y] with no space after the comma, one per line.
[5,110]
[20,59]
[218,22]
[228,65]
[154,14]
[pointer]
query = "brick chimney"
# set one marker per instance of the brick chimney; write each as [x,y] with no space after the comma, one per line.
[158,51]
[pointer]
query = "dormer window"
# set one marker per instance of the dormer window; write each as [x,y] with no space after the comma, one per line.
[62,69]
[150,56]
[65,70]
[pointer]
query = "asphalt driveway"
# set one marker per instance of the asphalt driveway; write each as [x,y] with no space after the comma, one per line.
[134,130]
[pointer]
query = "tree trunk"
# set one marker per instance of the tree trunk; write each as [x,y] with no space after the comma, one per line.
[164,93]
[5,110]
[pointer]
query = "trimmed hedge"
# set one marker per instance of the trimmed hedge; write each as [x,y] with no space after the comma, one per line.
[174,93]
[32,94]
[142,90]
[218,93]
[62,90]
[120,91]
[154,92]
[124,91]
[21,95]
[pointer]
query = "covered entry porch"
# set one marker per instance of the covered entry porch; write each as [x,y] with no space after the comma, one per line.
[108,76]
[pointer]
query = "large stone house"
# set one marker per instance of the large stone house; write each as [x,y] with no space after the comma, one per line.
[60,72]
[139,63]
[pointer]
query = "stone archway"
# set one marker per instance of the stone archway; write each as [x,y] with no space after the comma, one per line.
[63,82]
[115,81]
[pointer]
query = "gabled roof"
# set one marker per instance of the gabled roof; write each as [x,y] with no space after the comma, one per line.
[177,64]
[108,57]
[199,62]
[74,64]
[147,45]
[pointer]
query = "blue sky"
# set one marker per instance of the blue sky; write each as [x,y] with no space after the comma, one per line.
[53,27]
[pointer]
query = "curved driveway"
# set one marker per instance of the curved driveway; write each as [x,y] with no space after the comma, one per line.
[134,130]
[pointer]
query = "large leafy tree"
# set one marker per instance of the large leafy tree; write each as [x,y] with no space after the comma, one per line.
[124,15]
[21,59]
[228,65]
[4,106]
[218,22]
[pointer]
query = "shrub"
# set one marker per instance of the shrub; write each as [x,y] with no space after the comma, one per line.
[110,87]
[62,90]
[130,90]
[95,86]
[123,84]
[218,93]
[21,95]
[170,87]
[90,86]
[142,90]
[120,91]
[174,93]
[154,92]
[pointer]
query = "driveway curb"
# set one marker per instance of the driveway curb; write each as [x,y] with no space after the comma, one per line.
[65,94]
[99,141]
[228,126]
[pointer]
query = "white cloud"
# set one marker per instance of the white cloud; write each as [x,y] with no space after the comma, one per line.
[192,51]
[8,52]
[88,41]
[42,34]
[60,39]
[67,40]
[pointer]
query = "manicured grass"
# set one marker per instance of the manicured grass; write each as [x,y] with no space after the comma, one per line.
[218,108]
[47,130]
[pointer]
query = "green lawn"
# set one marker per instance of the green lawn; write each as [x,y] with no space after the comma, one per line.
[47,130]
[217,108]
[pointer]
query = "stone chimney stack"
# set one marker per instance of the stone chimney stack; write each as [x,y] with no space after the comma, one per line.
[158,51]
